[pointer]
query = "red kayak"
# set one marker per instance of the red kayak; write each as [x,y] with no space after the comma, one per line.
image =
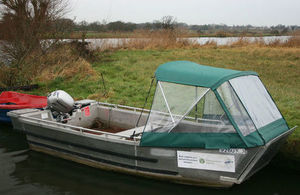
[10,100]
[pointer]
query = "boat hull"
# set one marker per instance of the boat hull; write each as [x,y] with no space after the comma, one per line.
[131,171]
[110,152]
[120,158]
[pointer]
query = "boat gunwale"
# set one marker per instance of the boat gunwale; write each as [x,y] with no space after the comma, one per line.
[122,106]
[82,131]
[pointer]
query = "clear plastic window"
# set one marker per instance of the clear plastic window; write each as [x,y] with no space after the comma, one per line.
[183,108]
[236,109]
[207,116]
[256,100]
[170,104]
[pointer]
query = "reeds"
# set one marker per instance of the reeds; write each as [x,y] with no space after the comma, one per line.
[173,39]
[63,62]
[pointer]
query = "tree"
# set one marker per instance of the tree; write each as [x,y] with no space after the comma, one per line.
[25,23]
[64,25]
[168,22]
[121,26]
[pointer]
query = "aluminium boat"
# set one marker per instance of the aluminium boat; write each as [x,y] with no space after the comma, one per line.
[207,126]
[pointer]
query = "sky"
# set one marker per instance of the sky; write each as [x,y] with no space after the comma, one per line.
[229,12]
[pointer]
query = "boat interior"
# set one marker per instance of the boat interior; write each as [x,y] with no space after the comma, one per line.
[109,120]
[121,122]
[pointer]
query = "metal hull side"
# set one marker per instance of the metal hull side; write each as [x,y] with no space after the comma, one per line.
[264,157]
[143,160]
[167,176]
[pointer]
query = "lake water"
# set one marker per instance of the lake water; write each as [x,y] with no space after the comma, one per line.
[27,172]
[94,43]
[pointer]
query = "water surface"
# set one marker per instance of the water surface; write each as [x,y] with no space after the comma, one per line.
[115,42]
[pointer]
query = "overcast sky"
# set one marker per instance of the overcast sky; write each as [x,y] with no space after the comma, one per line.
[230,12]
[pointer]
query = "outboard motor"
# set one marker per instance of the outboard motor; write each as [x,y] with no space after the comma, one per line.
[61,104]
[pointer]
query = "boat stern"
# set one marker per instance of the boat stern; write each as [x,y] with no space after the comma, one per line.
[14,116]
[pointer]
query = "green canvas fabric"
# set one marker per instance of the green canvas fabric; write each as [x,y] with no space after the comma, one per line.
[190,73]
[253,139]
[200,140]
[192,140]
[273,129]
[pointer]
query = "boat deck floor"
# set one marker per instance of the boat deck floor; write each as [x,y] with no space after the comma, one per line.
[105,128]
[101,127]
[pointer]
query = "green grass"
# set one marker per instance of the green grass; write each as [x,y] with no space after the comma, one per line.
[127,75]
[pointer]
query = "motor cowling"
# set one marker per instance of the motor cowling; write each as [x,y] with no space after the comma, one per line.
[60,101]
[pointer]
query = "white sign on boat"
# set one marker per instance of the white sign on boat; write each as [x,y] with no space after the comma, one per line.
[198,160]
[44,115]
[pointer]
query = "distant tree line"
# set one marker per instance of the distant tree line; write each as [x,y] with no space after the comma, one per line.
[169,22]
[65,26]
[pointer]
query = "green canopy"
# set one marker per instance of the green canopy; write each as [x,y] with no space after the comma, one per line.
[190,73]
[206,107]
